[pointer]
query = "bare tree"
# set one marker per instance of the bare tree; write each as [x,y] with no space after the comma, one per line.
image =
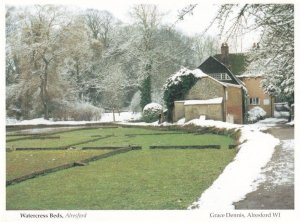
[101,25]
[204,47]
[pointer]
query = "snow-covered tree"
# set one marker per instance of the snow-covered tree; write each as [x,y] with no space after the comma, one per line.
[147,19]
[114,86]
[41,49]
[57,57]
[101,25]
[76,65]
[274,54]
[135,102]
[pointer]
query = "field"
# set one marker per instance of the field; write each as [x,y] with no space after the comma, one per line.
[139,179]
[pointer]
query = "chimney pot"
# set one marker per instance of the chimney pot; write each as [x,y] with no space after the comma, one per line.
[224,53]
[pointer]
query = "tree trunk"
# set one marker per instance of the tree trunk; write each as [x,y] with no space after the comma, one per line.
[114,118]
[146,87]
[44,92]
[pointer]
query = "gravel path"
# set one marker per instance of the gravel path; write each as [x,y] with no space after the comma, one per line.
[276,188]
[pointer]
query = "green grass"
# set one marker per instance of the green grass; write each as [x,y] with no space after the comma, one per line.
[73,137]
[141,179]
[20,163]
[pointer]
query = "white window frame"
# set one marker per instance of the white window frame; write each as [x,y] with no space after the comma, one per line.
[254,101]
[220,76]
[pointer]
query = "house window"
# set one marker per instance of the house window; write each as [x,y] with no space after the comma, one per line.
[254,101]
[220,76]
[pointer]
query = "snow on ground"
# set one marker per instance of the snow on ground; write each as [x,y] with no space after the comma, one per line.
[213,123]
[106,117]
[122,117]
[238,177]
[266,123]
[42,121]
[281,171]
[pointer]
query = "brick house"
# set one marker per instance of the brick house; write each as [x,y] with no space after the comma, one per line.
[214,100]
[222,95]
[236,64]
[256,95]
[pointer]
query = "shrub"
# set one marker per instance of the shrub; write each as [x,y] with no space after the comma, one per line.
[256,113]
[79,111]
[151,112]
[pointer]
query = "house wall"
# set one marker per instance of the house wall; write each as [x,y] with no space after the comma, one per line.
[206,88]
[233,104]
[211,111]
[255,90]
[178,110]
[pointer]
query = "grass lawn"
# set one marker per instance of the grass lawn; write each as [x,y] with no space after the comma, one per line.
[140,179]
[20,163]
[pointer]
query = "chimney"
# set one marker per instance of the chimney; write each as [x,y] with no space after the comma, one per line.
[224,53]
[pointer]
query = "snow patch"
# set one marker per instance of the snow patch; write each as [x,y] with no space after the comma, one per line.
[105,117]
[281,170]
[213,123]
[201,102]
[153,106]
[181,121]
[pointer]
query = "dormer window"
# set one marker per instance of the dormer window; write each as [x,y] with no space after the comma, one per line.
[220,76]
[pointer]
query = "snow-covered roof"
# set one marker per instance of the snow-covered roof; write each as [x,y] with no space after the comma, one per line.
[250,75]
[252,72]
[218,100]
[232,85]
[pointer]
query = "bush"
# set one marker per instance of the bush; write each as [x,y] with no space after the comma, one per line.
[151,112]
[256,113]
[79,111]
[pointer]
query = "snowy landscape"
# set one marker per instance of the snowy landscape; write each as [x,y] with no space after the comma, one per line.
[245,170]
[85,69]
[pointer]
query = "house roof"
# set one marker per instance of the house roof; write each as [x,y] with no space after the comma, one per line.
[236,62]
[213,65]
[218,100]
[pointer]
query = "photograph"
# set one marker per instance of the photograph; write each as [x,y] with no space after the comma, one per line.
[173,110]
